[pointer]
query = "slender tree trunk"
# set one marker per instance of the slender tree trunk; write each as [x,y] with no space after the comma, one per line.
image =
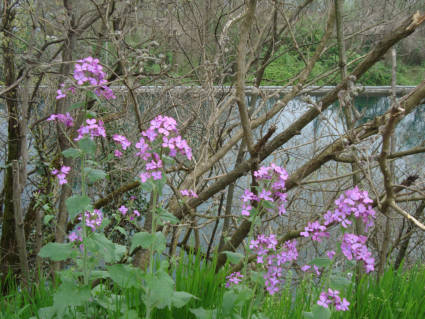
[8,245]
[19,225]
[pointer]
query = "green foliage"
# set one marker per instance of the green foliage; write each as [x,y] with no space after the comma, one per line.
[57,251]
[76,205]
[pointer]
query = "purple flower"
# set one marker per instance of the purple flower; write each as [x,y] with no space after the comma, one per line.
[61,174]
[188,193]
[305,268]
[123,210]
[330,254]
[122,140]
[234,279]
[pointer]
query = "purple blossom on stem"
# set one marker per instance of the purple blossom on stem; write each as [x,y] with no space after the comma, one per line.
[121,140]
[234,279]
[123,210]
[61,174]
[316,230]
[64,118]
[188,193]
[92,128]
[332,297]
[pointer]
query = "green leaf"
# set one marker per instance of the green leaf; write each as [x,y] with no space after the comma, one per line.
[122,231]
[308,315]
[75,106]
[71,152]
[166,216]
[320,312]
[181,298]
[267,204]
[320,262]
[125,276]
[146,240]
[70,294]
[201,313]
[147,186]
[76,205]
[87,145]
[103,246]
[339,283]
[257,277]
[160,290]
[46,313]
[229,301]
[57,251]
[130,314]
[47,219]
[94,174]
[233,257]
[99,274]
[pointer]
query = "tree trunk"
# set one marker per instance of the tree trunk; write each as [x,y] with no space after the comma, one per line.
[8,245]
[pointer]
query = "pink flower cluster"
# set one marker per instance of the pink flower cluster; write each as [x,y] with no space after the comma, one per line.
[233,279]
[355,246]
[124,144]
[123,210]
[316,230]
[92,128]
[64,118]
[332,297]
[93,219]
[265,247]
[61,174]
[189,193]
[75,235]
[353,201]
[277,177]
[88,70]
[61,92]
[306,268]
[164,130]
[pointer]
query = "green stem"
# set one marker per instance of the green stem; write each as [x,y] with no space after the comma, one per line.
[83,193]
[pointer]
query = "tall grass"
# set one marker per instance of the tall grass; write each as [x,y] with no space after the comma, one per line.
[398,294]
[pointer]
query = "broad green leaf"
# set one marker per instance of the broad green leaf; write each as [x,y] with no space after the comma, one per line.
[181,298]
[75,106]
[122,231]
[159,290]
[229,302]
[57,251]
[320,312]
[70,294]
[46,313]
[71,152]
[76,205]
[130,314]
[103,246]
[267,204]
[99,274]
[125,276]
[147,240]
[87,145]
[147,186]
[94,174]
[320,262]
[166,216]
[201,313]
[257,277]
[47,219]
[233,257]
[339,283]
[308,315]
